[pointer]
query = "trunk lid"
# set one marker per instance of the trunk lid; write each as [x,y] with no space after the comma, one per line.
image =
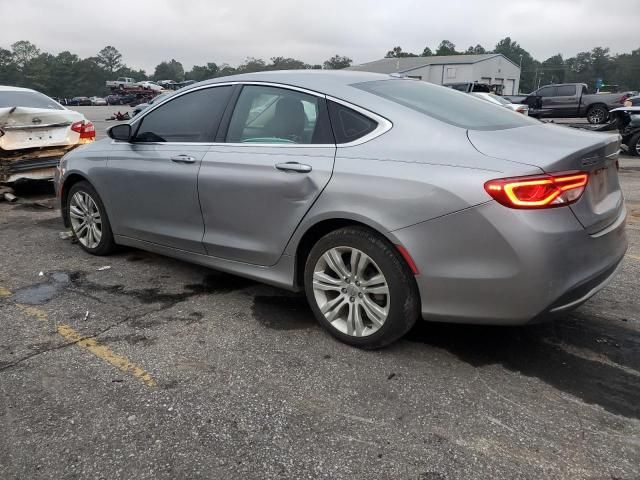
[554,148]
[24,127]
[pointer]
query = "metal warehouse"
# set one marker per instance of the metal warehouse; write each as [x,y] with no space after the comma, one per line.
[493,68]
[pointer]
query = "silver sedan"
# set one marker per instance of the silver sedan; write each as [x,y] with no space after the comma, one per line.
[385,199]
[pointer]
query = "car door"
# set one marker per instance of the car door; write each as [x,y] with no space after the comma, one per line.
[566,101]
[272,161]
[547,96]
[154,178]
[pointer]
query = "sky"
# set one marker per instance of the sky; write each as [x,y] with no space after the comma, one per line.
[147,32]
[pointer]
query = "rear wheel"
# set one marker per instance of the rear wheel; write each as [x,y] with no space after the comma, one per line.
[360,289]
[88,219]
[597,114]
[634,145]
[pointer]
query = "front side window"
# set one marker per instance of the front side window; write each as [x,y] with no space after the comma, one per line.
[192,117]
[547,92]
[265,114]
[446,105]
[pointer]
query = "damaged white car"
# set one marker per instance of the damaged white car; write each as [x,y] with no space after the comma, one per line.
[35,132]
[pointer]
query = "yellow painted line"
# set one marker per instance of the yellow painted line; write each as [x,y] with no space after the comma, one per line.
[106,354]
[89,343]
[33,311]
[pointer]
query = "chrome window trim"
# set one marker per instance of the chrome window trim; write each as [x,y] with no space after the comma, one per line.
[384,125]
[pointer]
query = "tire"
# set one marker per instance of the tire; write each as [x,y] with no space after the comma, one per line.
[597,114]
[634,145]
[358,300]
[83,203]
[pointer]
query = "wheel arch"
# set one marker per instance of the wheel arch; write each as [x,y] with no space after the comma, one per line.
[313,232]
[69,181]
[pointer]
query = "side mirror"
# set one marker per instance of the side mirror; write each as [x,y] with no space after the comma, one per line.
[120,132]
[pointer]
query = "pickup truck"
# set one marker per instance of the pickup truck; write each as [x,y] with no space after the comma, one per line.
[121,82]
[569,100]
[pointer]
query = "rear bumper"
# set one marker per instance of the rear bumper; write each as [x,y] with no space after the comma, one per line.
[34,169]
[494,265]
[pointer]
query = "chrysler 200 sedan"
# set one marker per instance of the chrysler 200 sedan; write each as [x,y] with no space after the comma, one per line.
[386,199]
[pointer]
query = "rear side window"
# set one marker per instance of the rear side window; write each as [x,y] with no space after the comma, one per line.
[446,105]
[349,125]
[192,117]
[566,90]
[265,114]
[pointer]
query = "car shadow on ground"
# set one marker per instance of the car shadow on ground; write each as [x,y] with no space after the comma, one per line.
[576,354]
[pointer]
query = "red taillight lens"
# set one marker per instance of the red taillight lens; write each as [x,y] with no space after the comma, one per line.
[85,129]
[539,191]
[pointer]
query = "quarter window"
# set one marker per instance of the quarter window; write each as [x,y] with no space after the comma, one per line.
[349,125]
[192,117]
[266,114]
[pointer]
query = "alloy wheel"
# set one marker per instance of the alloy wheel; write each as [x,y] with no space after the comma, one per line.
[351,291]
[86,221]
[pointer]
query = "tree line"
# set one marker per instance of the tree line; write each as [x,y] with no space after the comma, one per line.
[586,67]
[67,75]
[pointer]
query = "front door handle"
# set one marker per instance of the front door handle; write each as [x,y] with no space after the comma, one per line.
[294,167]
[183,159]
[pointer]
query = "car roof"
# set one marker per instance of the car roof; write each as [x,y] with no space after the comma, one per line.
[7,88]
[325,81]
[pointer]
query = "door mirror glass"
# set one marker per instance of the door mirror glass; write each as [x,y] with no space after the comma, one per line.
[120,132]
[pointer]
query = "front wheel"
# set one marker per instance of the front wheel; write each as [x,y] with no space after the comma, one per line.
[88,219]
[634,145]
[360,289]
[597,114]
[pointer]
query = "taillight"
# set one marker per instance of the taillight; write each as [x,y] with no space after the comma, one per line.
[521,109]
[85,128]
[538,191]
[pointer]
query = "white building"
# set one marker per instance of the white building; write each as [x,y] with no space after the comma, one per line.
[492,68]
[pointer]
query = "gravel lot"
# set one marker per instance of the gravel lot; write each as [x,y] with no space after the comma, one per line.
[154,368]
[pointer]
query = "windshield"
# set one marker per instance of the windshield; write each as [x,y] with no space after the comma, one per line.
[25,98]
[447,105]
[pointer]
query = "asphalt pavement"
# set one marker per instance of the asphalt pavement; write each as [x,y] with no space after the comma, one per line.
[137,366]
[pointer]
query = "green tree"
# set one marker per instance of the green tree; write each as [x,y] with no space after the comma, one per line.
[23,52]
[171,70]
[446,48]
[554,69]
[8,69]
[204,72]
[337,62]
[530,68]
[252,64]
[110,59]
[285,63]
[477,50]
[426,52]
[396,52]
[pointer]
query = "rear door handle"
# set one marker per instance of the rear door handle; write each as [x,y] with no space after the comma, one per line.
[294,167]
[183,159]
